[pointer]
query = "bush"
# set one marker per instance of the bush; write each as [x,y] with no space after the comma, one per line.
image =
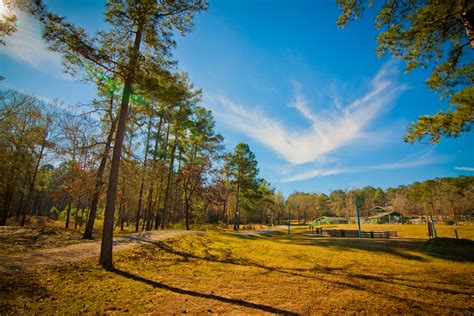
[449,222]
[56,214]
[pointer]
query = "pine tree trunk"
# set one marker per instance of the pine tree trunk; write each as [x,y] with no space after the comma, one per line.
[224,211]
[107,234]
[76,215]
[160,184]
[237,211]
[68,214]
[33,180]
[142,182]
[121,212]
[147,222]
[168,186]
[186,204]
[98,182]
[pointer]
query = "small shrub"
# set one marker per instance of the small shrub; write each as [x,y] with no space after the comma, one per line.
[55,214]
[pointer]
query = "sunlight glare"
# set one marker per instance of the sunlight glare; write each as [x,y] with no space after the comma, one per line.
[3,9]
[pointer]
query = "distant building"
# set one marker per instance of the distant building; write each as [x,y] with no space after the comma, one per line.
[418,219]
[381,209]
[330,220]
[388,218]
[363,220]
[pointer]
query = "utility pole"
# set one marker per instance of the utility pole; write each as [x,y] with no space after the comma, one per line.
[358,217]
[289,221]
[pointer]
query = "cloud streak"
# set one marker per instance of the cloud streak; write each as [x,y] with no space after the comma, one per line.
[27,46]
[327,132]
[412,161]
[464,168]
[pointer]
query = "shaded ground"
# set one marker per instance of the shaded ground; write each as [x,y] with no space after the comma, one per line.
[225,273]
[20,240]
[78,251]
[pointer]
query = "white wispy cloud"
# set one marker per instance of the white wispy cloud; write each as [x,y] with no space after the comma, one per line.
[336,127]
[464,168]
[27,46]
[412,161]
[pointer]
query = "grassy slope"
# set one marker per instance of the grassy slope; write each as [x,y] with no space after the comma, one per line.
[222,273]
[19,240]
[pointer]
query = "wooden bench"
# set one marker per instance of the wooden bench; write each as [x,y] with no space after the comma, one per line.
[353,233]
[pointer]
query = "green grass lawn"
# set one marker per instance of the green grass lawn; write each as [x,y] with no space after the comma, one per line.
[221,273]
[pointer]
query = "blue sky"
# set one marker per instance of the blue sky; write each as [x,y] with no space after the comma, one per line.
[313,101]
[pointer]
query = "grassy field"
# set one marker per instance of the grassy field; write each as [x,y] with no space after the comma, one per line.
[411,230]
[222,273]
[20,240]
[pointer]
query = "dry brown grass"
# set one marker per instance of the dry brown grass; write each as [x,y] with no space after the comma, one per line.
[20,240]
[17,240]
[222,273]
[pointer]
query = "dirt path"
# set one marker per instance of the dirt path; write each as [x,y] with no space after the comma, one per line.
[79,252]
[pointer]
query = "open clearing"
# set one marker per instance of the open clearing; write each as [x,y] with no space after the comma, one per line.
[223,273]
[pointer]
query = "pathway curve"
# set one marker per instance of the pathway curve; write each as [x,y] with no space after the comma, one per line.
[78,252]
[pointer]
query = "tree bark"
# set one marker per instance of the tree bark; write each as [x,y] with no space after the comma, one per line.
[224,211]
[76,215]
[237,211]
[98,182]
[142,182]
[168,185]
[160,184]
[33,180]
[68,214]
[467,18]
[107,235]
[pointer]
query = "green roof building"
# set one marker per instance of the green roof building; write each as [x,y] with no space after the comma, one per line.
[324,220]
[387,218]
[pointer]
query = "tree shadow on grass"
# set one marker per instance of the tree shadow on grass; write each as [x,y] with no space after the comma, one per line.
[400,249]
[14,286]
[338,276]
[243,303]
[459,250]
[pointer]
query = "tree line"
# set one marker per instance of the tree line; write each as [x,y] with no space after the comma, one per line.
[146,150]
[443,197]
[174,169]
